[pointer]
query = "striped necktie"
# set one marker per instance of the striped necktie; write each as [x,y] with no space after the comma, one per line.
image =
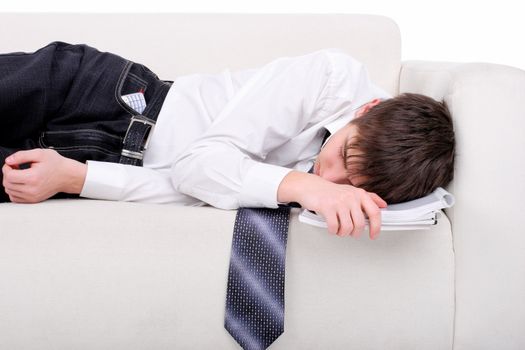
[255,291]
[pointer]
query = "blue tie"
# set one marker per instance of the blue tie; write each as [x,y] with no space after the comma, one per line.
[255,292]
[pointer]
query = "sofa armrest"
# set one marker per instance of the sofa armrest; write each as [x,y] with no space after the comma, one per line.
[487,102]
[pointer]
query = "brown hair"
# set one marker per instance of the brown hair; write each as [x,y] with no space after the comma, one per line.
[406,147]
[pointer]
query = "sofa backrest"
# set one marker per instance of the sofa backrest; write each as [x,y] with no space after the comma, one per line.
[173,44]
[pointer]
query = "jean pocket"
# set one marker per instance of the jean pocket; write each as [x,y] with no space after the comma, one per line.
[133,83]
[130,82]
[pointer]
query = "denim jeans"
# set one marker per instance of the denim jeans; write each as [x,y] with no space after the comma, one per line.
[68,97]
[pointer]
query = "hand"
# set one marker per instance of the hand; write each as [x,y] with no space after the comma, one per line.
[48,174]
[342,206]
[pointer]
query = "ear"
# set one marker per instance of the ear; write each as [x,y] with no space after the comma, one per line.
[366,107]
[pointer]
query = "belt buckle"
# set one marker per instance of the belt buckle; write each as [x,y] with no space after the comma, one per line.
[138,119]
[141,119]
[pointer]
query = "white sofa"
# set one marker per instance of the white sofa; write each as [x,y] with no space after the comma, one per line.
[88,274]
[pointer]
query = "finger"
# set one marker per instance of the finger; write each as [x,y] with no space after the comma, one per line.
[21,157]
[378,200]
[346,224]
[374,217]
[15,188]
[332,223]
[20,177]
[16,199]
[6,168]
[359,221]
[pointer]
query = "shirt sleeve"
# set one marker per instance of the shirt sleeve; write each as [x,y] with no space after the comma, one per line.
[225,166]
[122,182]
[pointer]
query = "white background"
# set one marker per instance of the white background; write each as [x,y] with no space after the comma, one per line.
[439,30]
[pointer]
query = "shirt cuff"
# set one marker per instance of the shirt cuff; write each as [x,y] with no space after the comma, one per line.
[261,184]
[103,181]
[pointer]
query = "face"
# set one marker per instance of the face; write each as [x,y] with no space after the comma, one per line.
[330,163]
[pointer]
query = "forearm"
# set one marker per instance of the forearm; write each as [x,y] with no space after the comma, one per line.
[224,177]
[129,183]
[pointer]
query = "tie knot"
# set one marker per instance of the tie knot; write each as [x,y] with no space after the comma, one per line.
[326,136]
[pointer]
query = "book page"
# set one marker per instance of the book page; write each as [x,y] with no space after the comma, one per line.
[439,199]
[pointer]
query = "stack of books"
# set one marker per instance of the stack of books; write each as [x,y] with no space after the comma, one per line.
[417,214]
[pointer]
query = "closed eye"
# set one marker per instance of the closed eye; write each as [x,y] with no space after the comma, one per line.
[342,154]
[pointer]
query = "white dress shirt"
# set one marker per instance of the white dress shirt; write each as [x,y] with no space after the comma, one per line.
[228,139]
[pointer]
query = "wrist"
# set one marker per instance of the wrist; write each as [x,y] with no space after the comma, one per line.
[293,186]
[74,176]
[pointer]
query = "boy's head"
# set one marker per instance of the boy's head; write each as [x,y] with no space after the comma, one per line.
[400,148]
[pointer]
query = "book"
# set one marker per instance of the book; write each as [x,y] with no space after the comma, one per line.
[417,214]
